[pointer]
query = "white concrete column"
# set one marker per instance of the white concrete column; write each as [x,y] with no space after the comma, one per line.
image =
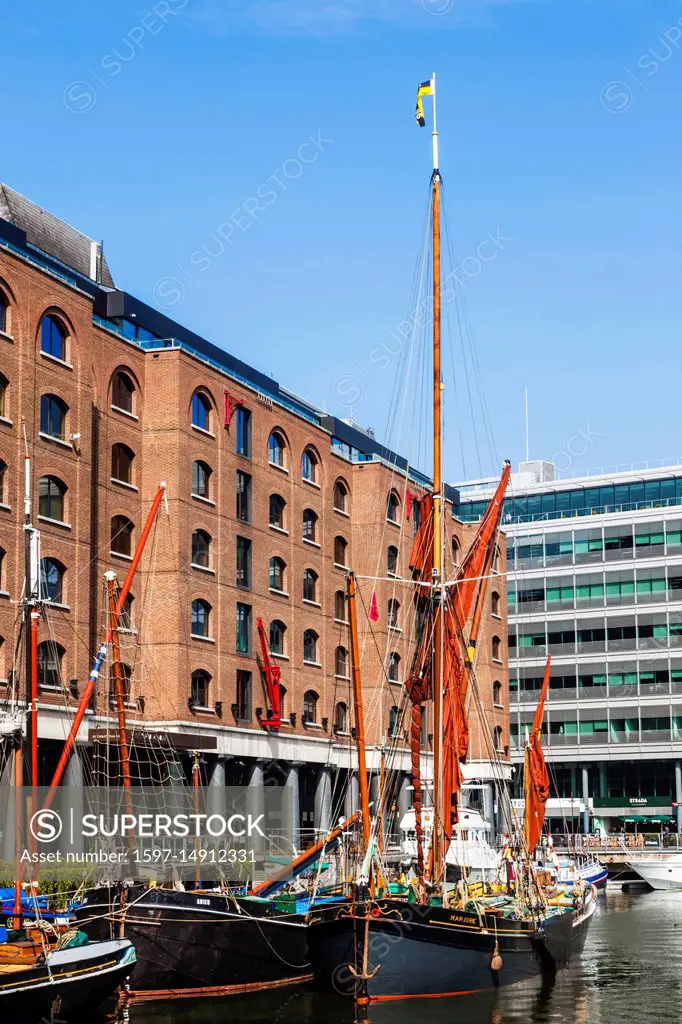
[293,802]
[678,795]
[586,800]
[73,779]
[352,802]
[323,801]
[255,800]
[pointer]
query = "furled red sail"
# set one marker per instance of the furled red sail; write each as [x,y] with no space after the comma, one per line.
[536,776]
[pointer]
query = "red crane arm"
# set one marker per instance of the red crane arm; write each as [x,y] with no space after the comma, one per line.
[272,674]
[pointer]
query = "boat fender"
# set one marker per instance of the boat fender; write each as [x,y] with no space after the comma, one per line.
[496,963]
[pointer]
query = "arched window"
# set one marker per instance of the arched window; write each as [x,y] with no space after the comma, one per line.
[243,709]
[4,397]
[2,568]
[201,411]
[309,706]
[126,678]
[392,506]
[340,496]
[278,632]
[53,416]
[310,639]
[393,721]
[3,482]
[201,617]
[497,648]
[497,694]
[309,525]
[201,549]
[495,603]
[309,465]
[122,463]
[277,574]
[392,560]
[310,578]
[51,493]
[121,536]
[126,622]
[282,699]
[3,673]
[51,580]
[277,506]
[394,614]
[496,559]
[340,606]
[341,663]
[201,477]
[455,551]
[276,449]
[497,737]
[201,682]
[341,717]
[50,661]
[394,667]
[4,307]
[53,335]
[340,549]
[122,391]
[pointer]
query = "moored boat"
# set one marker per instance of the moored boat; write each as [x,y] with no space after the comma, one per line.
[659,870]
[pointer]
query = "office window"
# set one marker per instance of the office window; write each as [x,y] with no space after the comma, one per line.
[4,396]
[310,639]
[392,561]
[278,632]
[50,662]
[122,392]
[495,603]
[243,496]
[393,721]
[51,498]
[243,628]
[121,536]
[310,699]
[340,496]
[201,477]
[392,506]
[243,696]
[394,614]
[201,617]
[4,317]
[243,562]
[496,645]
[309,465]
[310,578]
[309,525]
[243,432]
[201,411]
[341,717]
[394,667]
[277,507]
[341,663]
[199,694]
[53,335]
[340,551]
[51,580]
[201,548]
[277,574]
[497,693]
[122,458]
[340,606]
[53,416]
[276,449]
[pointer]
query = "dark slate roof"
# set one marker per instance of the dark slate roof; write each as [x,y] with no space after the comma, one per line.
[53,236]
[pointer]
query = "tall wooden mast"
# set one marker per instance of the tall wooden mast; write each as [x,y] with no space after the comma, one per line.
[358,709]
[437,512]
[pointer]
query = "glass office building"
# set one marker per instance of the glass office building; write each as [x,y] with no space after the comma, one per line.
[595,580]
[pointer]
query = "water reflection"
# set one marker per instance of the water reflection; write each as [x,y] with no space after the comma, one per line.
[631,972]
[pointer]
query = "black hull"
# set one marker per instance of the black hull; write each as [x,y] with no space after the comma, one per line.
[67,991]
[201,942]
[428,951]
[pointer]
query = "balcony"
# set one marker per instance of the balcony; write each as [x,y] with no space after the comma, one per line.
[591,646]
[539,651]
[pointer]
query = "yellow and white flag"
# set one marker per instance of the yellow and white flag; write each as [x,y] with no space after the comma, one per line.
[425,89]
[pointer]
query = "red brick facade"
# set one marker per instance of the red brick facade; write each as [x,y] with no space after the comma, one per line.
[165,443]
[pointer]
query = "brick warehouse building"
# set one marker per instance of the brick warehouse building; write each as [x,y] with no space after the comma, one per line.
[261,519]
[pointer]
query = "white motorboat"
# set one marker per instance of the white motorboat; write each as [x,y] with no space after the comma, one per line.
[470,849]
[659,870]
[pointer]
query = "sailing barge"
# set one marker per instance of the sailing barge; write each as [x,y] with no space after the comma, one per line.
[444,942]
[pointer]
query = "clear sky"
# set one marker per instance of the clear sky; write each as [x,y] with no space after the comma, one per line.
[158,127]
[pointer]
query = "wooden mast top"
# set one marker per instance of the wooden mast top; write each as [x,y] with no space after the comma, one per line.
[436,844]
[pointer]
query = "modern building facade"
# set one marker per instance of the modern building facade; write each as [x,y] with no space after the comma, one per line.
[269,501]
[595,580]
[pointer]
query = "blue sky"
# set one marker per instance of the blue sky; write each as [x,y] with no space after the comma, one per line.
[154,127]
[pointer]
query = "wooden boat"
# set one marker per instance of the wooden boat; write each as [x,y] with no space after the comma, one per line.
[444,942]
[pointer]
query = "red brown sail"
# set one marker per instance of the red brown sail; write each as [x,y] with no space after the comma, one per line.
[536,776]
